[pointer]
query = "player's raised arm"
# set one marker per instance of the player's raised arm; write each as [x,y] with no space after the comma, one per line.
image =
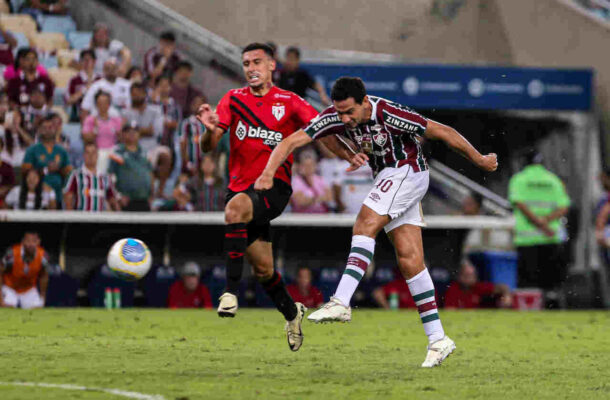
[459,144]
[278,156]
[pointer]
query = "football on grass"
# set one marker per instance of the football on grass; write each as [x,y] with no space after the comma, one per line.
[129,259]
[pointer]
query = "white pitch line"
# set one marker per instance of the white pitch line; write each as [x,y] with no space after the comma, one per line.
[117,392]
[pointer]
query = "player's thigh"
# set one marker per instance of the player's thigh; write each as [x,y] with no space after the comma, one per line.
[409,248]
[260,255]
[31,299]
[239,208]
[9,297]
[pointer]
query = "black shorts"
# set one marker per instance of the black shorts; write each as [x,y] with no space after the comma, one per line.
[267,205]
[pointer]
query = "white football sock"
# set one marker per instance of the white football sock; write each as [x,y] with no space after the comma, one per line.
[422,291]
[360,256]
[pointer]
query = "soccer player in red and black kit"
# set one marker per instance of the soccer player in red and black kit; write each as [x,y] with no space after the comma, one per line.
[258,118]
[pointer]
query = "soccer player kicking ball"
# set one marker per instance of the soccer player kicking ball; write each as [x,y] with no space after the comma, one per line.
[388,135]
[259,117]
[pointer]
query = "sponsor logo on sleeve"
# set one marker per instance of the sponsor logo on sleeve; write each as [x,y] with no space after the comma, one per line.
[375,197]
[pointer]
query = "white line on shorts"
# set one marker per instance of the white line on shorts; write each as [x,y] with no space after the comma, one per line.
[117,392]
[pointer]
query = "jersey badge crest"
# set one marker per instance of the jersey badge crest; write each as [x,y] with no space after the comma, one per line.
[278,110]
[379,137]
[241,130]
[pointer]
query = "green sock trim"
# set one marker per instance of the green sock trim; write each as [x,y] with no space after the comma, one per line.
[424,295]
[353,274]
[429,318]
[362,251]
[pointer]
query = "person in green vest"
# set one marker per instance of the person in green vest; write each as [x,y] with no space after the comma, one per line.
[540,202]
[49,157]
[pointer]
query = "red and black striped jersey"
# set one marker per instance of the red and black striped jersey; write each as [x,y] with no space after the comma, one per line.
[256,125]
[91,190]
[390,138]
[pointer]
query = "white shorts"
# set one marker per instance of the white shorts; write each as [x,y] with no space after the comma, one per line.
[26,300]
[397,192]
[154,154]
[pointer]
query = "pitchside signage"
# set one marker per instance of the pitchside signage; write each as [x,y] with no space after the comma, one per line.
[463,87]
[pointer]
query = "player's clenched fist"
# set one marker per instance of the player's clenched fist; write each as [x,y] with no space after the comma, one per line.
[489,162]
[263,183]
[207,117]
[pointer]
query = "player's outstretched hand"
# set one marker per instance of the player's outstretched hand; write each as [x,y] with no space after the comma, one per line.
[357,161]
[489,162]
[207,117]
[263,183]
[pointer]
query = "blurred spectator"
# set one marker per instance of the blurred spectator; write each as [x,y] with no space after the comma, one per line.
[278,63]
[311,194]
[102,129]
[602,218]
[303,291]
[540,201]
[294,78]
[394,294]
[90,190]
[349,189]
[16,138]
[208,186]
[22,270]
[149,121]
[132,171]
[7,44]
[468,292]
[35,112]
[110,83]
[21,86]
[37,8]
[172,114]
[189,133]
[135,75]
[32,194]
[182,90]
[189,292]
[483,239]
[81,82]
[60,137]
[180,199]
[106,49]
[50,157]
[161,59]
[13,71]
[7,176]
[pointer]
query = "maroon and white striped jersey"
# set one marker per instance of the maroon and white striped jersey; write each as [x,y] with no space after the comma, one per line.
[91,190]
[390,138]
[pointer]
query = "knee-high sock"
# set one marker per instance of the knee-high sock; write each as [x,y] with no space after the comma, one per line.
[422,291]
[360,256]
[236,241]
[276,289]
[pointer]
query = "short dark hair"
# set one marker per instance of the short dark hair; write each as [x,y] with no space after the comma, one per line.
[161,77]
[184,64]
[346,87]
[88,52]
[168,36]
[259,46]
[88,144]
[102,93]
[138,86]
[50,117]
[294,50]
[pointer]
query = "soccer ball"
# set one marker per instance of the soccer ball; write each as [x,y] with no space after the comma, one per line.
[129,259]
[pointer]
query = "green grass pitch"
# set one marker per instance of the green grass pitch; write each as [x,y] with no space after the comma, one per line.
[193,354]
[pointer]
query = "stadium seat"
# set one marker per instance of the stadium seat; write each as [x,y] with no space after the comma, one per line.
[17,4]
[18,23]
[79,40]
[59,96]
[67,57]
[49,62]
[73,132]
[22,41]
[58,23]
[48,42]
[102,279]
[61,76]
[157,284]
